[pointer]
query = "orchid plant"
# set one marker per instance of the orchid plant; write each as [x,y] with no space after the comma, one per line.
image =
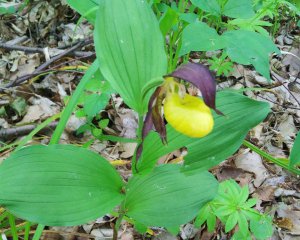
[63,185]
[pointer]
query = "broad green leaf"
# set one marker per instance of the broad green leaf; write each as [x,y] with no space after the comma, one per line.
[130,48]
[294,6]
[250,203]
[232,8]
[231,222]
[243,224]
[174,230]
[295,154]
[238,235]
[251,214]
[241,114]
[19,105]
[156,199]
[141,228]
[211,222]
[94,103]
[252,24]
[262,229]
[203,215]
[95,97]
[243,195]
[246,47]
[188,17]
[238,9]
[3,112]
[210,6]
[168,20]
[231,188]
[103,123]
[58,185]
[4,9]
[199,36]
[225,210]
[86,8]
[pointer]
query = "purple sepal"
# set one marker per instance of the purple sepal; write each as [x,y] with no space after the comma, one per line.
[153,119]
[158,120]
[200,77]
[148,122]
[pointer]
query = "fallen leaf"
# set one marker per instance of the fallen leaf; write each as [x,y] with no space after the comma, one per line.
[264,193]
[290,219]
[252,162]
[42,109]
[129,149]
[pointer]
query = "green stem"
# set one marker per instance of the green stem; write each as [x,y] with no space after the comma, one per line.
[171,58]
[72,103]
[182,5]
[3,215]
[156,10]
[117,226]
[140,128]
[27,230]
[12,223]
[36,130]
[38,232]
[139,140]
[117,139]
[277,161]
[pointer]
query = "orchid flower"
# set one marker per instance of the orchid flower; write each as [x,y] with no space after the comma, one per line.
[187,114]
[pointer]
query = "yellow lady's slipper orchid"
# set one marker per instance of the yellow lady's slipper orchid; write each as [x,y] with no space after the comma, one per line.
[189,115]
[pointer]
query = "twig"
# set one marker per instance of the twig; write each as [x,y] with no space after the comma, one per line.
[295,98]
[21,48]
[41,50]
[17,40]
[46,64]
[6,134]
[281,105]
[32,75]
[4,102]
[289,53]
[43,66]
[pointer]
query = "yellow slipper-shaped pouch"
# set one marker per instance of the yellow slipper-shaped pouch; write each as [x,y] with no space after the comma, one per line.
[188,115]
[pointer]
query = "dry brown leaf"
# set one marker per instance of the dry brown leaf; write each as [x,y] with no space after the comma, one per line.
[291,218]
[42,109]
[228,172]
[252,162]
[264,193]
[128,149]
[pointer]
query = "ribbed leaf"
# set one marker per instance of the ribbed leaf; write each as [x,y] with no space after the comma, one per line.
[238,9]
[198,36]
[167,197]
[295,153]
[241,114]
[211,6]
[252,48]
[130,48]
[231,8]
[86,8]
[58,185]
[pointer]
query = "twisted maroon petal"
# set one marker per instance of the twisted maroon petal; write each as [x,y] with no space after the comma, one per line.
[200,77]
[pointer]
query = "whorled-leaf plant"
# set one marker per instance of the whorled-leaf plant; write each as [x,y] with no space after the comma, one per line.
[67,185]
